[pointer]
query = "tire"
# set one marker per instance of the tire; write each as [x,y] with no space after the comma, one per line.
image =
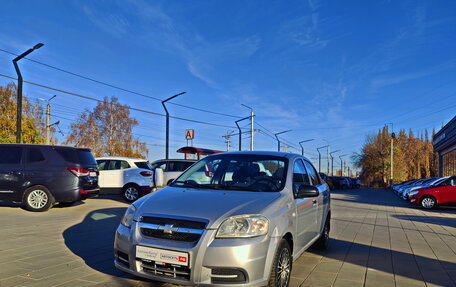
[130,192]
[38,198]
[428,202]
[281,268]
[66,204]
[323,242]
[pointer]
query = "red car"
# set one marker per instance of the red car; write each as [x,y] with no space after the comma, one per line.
[441,194]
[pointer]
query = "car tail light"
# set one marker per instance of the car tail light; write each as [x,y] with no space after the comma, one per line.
[78,172]
[82,191]
[146,173]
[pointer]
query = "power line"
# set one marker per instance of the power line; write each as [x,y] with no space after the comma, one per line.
[128,107]
[119,88]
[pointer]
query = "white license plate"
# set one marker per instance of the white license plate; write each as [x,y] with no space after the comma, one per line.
[161,255]
[92,173]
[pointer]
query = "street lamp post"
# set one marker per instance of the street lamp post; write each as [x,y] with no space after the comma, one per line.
[328,149]
[240,132]
[332,161]
[341,164]
[391,153]
[319,157]
[167,122]
[302,148]
[19,91]
[278,140]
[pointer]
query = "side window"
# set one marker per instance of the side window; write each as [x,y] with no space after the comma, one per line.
[10,154]
[161,165]
[300,175]
[114,164]
[102,164]
[124,164]
[313,174]
[34,155]
[178,165]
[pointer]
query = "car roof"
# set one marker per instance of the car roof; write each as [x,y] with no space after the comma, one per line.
[44,145]
[268,153]
[177,159]
[121,158]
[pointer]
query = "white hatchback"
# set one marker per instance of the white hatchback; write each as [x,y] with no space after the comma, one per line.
[128,176]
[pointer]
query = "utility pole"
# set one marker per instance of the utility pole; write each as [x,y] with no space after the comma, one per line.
[319,158]
[167,122]
[345,167]
[332,161]
[228,139]
[341,170]
[302,148]
[391,153]
[48,120]
[252,130]
[19,91]
[278,140]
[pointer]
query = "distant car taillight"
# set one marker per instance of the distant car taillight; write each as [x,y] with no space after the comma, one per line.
[78,172]
[146,173]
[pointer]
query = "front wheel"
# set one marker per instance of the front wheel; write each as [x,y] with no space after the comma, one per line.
[323,242]
[281,268]
[130,193]
[38,198]
[428,202]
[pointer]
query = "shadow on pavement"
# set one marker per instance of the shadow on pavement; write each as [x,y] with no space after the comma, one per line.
[375,196]
[438,220]
[404,264]
[93,239]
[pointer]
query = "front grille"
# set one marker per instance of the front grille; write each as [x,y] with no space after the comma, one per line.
[171,228]
[175,222]
[165,269]
[228,275]
[178,236]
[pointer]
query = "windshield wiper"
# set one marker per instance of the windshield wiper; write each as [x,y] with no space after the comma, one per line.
[194,184]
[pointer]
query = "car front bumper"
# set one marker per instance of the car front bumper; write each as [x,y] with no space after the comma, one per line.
[252,256]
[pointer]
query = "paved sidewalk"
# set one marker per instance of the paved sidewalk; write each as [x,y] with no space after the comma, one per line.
[377,240]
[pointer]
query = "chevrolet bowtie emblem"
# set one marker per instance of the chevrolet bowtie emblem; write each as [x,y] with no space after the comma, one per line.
[168,228]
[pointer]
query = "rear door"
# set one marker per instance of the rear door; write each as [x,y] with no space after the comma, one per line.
[102,166]
[306,208]
[174,169]
[11,171]
[113,174]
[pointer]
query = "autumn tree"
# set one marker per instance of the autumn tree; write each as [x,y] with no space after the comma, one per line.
[107,130]
[414,157]
[33,120]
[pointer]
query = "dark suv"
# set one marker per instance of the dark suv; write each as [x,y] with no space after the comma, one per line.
[41,175]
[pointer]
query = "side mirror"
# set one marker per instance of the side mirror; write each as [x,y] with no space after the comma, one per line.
[158,177]
[307,191]
[170,181]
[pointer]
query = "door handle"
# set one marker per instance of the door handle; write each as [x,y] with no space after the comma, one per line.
[314,201]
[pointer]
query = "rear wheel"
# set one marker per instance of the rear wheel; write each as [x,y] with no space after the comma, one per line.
[281,268]
[38,198]
[428,202]
[130,192]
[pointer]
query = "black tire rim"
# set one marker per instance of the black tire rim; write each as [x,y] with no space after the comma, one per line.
[283,268]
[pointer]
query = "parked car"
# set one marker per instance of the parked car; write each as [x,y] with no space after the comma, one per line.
[443,193]
[128,176]
[423,183]
[41,175]
[339,182]
[172,168]
[242,226]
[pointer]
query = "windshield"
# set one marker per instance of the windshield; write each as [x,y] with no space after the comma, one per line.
[236,172]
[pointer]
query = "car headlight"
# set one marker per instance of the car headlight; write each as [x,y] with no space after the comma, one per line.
[243,226]
[414,192]
[127,219]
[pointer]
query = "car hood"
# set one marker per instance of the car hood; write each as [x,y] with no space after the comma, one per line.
[211,205]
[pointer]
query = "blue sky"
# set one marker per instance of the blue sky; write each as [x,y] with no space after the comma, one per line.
[334,70]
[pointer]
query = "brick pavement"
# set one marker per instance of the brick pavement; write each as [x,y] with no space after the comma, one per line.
[376,240]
